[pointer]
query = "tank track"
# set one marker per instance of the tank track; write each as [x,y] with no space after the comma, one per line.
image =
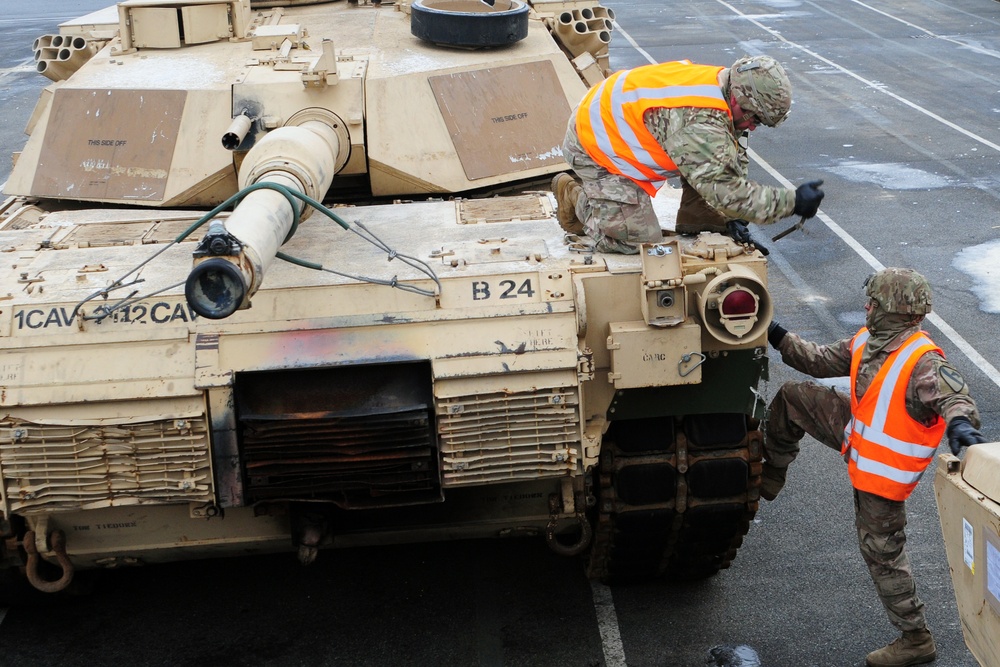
[675,496]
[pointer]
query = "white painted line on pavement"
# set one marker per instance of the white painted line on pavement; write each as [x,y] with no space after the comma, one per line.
[607,624]
[972,47]
[3,612]
[880,87]
[25,66]
[956,338]
[635,45]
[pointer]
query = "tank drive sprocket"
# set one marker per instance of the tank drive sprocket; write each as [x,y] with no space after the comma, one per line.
[675,496]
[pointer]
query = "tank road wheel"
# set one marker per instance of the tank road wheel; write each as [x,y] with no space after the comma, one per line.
[469,23]
[675,496]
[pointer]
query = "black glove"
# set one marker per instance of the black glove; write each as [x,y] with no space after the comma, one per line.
[775,334]
[807,199]
[740,232]
[961,433]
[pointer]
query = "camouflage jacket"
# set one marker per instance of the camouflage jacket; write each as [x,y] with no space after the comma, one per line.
[936,387]
[703,144]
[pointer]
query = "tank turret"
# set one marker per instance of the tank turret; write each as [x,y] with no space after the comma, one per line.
[164,113]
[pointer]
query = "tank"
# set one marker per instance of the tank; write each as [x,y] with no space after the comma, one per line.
[282,277]
[968,498]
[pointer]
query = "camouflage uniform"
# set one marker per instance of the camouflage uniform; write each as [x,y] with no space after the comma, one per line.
[935,388]
[618,214]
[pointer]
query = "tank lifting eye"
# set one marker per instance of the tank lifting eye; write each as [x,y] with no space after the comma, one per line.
[586,534]
[58,541]
[686,359]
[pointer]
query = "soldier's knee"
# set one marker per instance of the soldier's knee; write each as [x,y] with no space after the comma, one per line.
[883,549]
[897,585]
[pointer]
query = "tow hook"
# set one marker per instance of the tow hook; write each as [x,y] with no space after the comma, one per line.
[310,530]
[309,546]
[57,540]
[586,532]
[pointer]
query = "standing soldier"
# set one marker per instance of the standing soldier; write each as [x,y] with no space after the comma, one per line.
[639,127]
[904,397]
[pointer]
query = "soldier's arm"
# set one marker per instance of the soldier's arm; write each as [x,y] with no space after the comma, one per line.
[819,361]
[701,144]
[938,387]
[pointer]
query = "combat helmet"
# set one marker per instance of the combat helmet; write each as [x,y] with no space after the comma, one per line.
[899,291]
[760,86]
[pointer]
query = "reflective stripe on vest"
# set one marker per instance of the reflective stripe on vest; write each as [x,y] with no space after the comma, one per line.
[889,450]
[609,120]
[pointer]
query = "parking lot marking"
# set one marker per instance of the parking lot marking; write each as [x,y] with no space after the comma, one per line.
[607,624]
[956,338]
[20,68]
[949,332]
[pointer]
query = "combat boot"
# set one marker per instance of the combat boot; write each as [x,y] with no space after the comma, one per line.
[567,191]
[772,479]
[915,647]
[694,215]
[701,225]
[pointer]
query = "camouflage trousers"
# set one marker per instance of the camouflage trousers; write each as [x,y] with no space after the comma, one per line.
[618,214]
[614,210]
[823,412]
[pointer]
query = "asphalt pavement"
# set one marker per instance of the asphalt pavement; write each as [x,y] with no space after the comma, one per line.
[896,107]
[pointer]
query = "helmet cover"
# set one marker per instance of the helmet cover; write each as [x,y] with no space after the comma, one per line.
[761,87]
[902,291]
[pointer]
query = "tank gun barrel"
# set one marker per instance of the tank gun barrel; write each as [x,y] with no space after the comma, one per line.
[232,259]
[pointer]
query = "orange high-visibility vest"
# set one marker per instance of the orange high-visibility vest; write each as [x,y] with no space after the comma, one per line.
[889,449]
[609,119]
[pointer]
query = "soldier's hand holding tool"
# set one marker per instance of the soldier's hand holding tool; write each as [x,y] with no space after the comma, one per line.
[807,199]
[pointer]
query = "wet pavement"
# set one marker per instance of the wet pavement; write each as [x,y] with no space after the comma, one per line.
[896,108]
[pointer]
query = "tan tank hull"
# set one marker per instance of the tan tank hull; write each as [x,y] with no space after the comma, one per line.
[145,433]
[270,380]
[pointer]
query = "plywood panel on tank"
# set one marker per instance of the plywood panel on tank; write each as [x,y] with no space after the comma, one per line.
[109,144]
[497,119]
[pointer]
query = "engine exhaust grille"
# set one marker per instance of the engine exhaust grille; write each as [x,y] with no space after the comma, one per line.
[509,435]
[353,457]
[358,436]
[65,467]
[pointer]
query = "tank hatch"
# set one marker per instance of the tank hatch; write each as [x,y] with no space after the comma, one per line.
[155,24]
